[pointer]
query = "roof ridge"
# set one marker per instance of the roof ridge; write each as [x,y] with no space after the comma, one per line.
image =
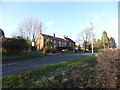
[53,36]
[59,37]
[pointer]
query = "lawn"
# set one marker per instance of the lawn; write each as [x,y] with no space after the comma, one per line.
[68,74]
[22,56]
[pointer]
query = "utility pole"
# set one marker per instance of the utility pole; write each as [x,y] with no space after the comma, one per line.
[40,33]
[92,37]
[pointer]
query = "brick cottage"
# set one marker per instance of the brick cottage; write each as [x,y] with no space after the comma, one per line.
[56,42]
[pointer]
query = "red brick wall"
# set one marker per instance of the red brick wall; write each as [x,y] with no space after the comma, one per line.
[40,45]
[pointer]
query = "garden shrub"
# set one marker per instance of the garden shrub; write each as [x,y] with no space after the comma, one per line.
[64,48]
[53,50]
[33,48]
[107,68]
[49,50]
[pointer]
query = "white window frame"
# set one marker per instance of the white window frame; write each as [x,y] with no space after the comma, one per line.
[51,40]
[73,44]
[54,46]
[54,41]
[65,43]
[59,42]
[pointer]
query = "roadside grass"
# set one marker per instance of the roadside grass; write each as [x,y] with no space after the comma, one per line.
[69,52]
[74,73]
[22,55]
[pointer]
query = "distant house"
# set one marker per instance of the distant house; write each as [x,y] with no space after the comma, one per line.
[56,42]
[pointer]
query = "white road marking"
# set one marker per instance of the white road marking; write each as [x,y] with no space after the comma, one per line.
[11,63]
[27,61]
[23,68]
[3,64]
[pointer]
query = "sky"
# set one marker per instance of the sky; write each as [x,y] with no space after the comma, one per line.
[62,18]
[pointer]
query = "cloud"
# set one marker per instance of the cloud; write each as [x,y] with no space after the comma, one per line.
[50,23]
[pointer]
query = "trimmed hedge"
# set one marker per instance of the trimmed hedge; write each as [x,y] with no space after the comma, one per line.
[108,68]
[61,48]
[15,45]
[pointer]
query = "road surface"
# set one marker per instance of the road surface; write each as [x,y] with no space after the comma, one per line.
[17,66]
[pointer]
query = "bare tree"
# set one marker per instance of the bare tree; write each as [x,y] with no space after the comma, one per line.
[86,35]
[30,28]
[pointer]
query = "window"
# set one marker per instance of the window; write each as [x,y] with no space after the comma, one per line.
[54,46]
[65,43]
[59,42]
[73,44]
[51,40]
[54,41]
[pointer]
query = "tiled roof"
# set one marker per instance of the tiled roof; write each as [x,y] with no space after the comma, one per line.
[48,36]
[69,39]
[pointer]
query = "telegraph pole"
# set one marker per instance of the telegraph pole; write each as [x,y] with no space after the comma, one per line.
[92,37]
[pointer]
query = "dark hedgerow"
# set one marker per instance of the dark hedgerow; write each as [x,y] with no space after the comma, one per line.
[15,45]
[107,69]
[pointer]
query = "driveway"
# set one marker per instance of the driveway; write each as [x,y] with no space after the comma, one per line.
[17,66]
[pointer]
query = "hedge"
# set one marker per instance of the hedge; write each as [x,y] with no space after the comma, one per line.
[50,50]
[61,48]
[15,45]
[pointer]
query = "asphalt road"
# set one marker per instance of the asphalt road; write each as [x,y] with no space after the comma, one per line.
[17,66]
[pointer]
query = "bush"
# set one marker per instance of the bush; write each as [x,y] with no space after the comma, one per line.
[107,68]
[33,48]
[14,45]
[64,48]
[53,50]
[49,50]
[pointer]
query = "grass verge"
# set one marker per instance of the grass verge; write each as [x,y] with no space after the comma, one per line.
[69,52]
[69,74]
[22,56]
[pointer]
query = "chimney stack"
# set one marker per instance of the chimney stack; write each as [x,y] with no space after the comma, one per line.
[53,34]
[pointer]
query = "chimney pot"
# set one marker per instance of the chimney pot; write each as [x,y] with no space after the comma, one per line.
[54,34]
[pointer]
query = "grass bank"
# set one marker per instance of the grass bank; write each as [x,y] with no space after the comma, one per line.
[22,56]
[69,74]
